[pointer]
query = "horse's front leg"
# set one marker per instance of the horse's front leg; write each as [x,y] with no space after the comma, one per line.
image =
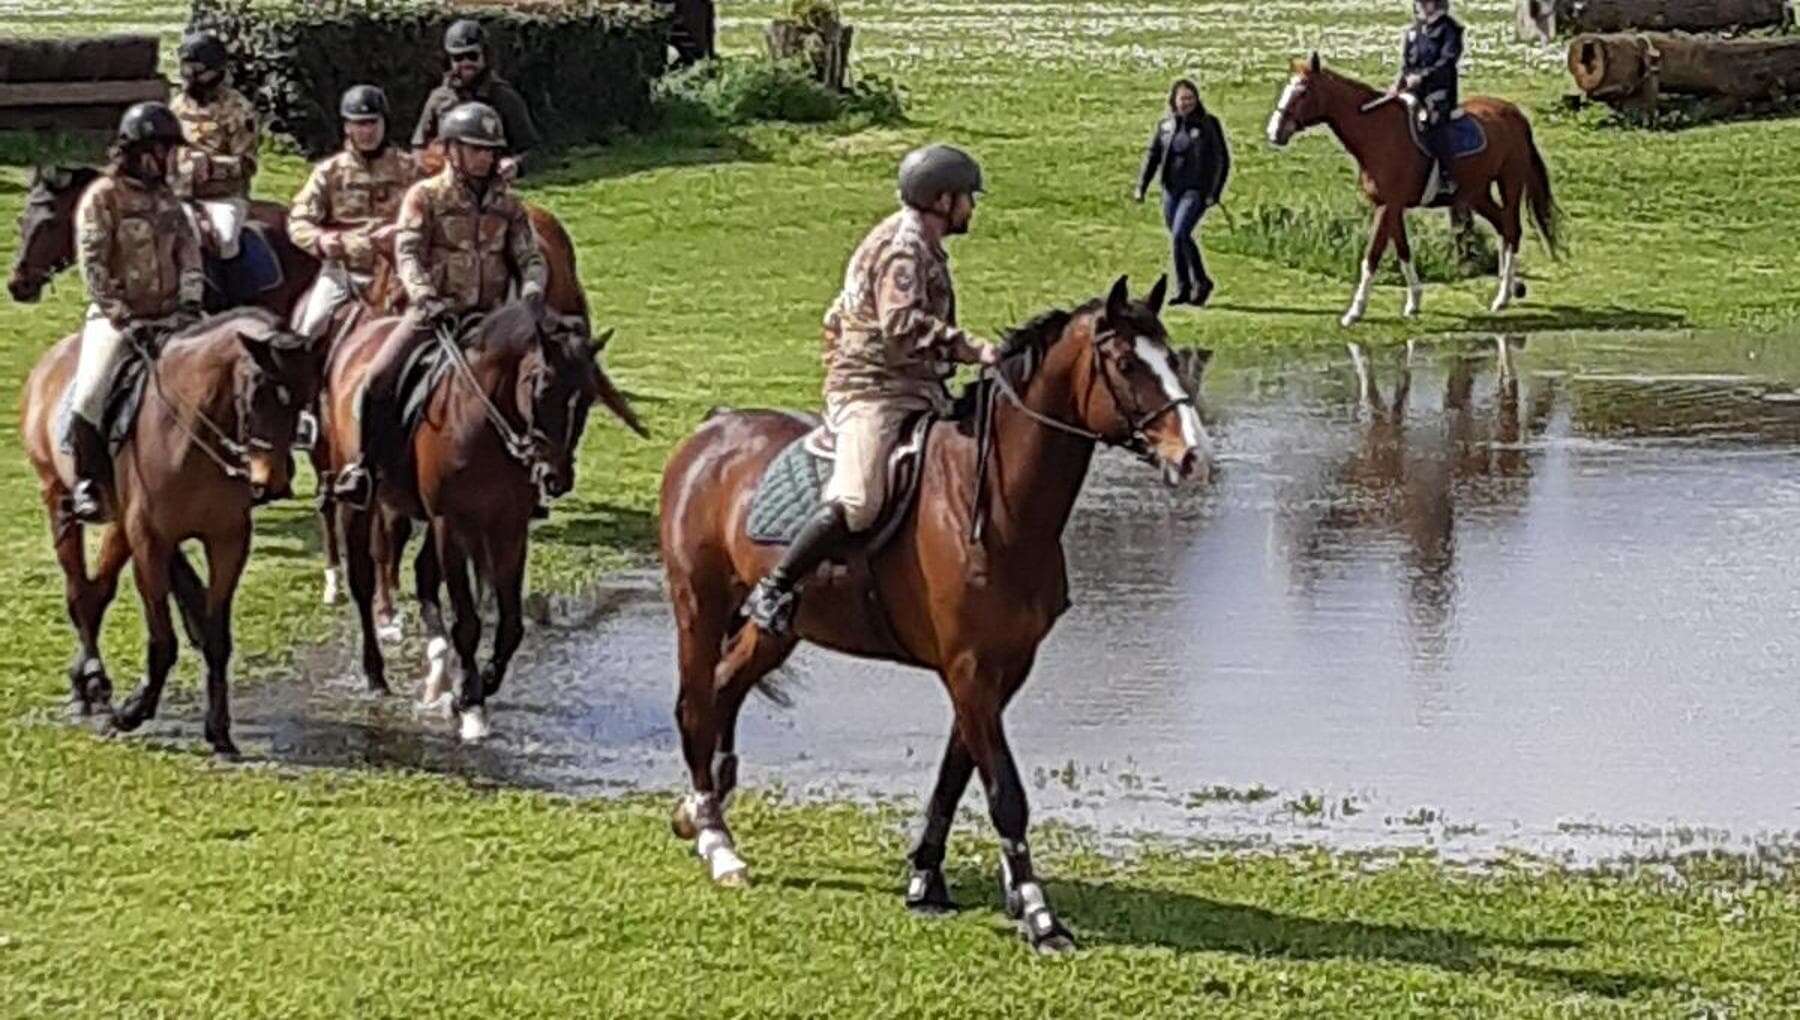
[1378,241]
[1403,251]
[225,558]
[465,633]
[354,525]
[428,587]
[150,562]
[507,554]
[926,890]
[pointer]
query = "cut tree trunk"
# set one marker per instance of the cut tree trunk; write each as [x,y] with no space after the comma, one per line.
[826,51]
[1544,18]
[1636,69]
[94,58]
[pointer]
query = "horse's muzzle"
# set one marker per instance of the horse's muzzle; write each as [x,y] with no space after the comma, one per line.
[24,289]
[1193,465]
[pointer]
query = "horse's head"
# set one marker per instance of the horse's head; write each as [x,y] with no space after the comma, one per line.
[1300,106]
[557,386]
[277,377]
[47,229]
[1130,391]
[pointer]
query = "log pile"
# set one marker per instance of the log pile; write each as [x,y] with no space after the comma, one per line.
[81,84]
[825,48]
[1545,19]
[1634,70]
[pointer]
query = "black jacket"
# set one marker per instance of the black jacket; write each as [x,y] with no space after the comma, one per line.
[521,132]
[1192,154]
[1433,51]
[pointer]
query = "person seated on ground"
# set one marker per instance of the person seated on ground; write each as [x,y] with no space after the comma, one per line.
[1428,73]
[1188,146]
[214,168]
[471,79]
[463,244]
[140,260]
[344,214]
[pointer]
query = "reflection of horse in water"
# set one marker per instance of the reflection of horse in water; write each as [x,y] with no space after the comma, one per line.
[1404,480]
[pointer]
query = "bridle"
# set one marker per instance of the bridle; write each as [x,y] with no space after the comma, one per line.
[231,453]
[522,445]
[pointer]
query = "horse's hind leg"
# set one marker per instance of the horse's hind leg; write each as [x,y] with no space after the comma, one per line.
[354,524]
[320,455]
[428,586]
[224,566]
[713,689]
[389,533]
[87,600]
[1512,232]
[980,693]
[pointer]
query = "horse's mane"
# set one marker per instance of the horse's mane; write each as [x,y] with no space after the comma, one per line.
[508,331]
[208,326]
[1041,331]
[42,191]
[1333,74]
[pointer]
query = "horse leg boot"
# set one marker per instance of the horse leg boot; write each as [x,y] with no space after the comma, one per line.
[771,604]
[926,891]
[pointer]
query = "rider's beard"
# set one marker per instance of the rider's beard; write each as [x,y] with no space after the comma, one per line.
[201,86]
[147,168]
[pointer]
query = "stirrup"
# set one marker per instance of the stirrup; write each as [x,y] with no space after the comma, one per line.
[770,608]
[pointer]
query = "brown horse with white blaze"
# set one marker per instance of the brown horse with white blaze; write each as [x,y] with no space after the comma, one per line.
[504,423]
[211,439]
[1497,183]
[970,603]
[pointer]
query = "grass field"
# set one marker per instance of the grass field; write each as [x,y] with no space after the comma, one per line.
[153,884]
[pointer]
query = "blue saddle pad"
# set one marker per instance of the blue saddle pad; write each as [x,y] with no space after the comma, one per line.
[255,271]
[1466,136]
[792,487]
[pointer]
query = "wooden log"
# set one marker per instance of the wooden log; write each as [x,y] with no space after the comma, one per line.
[1579,16]
[91,58]
[1636,68]
[82,93]
[826,49]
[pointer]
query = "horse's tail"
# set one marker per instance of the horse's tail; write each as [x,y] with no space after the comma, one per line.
[1538,196]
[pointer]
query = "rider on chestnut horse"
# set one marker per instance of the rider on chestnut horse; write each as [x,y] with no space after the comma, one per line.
[213,170]
[140,259]
[463,242]
[471,79]
[345,212]
[891,342]
[1428,59]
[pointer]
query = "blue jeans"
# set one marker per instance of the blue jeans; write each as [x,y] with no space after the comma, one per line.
[1182,213]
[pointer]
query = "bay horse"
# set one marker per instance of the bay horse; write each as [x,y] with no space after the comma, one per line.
[1374,129]
[47,242]
[972,609]
[502,425]
[211,439]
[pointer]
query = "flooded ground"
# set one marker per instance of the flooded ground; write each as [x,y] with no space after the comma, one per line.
[1554,608]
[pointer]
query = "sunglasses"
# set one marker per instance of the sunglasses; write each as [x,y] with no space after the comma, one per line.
[465,58]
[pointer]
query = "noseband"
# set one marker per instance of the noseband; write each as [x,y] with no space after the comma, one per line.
[1134,439]
[521,445]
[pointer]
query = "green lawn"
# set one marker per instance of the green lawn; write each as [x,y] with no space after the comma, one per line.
[143,883]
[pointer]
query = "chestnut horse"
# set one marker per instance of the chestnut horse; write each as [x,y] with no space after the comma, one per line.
[970,601]
[47,242]
[211,439]
[501,426]
[1374,128]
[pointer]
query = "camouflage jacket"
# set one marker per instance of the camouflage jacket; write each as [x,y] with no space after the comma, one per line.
[462,250]
[891,333]
[220,156]
[351,195]
[139,254]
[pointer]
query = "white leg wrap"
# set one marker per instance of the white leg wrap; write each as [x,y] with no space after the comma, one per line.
[475,725]
[1508,258]
[392,631]
[437,663]
[1360,303]
[1414,290]
[714,847]
[331,586]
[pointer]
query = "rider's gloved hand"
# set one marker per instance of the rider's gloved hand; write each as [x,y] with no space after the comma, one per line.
[988,356]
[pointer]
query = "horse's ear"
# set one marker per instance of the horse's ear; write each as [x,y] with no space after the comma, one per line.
[1314,64]
[1118,300]
[259,350]
[1155,298]
[597,344]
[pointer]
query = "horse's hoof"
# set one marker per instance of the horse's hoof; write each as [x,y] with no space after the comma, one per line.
[1349,319]
[927,896]
[1519,291]
[1499,306]
[1410,312]
[681,822]
[391,632]
[475,725]
[738,878]
[1055,941]
[227,753]
[378,689]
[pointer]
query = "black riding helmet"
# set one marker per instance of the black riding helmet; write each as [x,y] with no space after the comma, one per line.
[150,122]
[363,102]
[203,48]
[934,171]
[474,124]
[466,36]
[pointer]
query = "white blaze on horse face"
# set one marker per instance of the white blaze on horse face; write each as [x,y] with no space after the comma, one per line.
[1193,433]
[1281,109]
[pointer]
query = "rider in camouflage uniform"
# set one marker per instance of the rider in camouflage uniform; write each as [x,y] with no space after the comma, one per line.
[140,259]
[464,242]
[891,342]
[345,212]
[1433,46]
[214,169]
[470,79]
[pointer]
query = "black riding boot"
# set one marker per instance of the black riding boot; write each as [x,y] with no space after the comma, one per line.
[771,603]
[355,482]
[1442,151]
[93,471]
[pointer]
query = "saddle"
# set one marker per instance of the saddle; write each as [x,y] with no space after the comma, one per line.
[793,485]
[231,283]
[1467,137]
[427,366]
[124,395]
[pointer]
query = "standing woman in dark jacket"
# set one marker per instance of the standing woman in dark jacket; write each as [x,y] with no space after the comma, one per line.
[1189,147]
